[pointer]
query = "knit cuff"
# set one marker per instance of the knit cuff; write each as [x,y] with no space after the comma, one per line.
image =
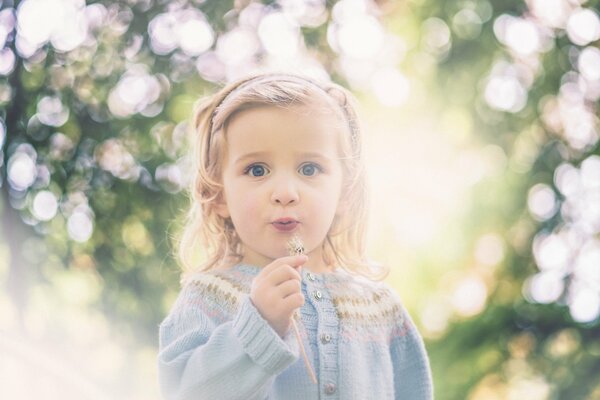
[260,340]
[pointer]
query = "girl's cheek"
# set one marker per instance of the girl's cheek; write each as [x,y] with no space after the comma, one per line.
[251,204]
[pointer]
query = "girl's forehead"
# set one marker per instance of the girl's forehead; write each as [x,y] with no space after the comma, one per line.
[272,119]
[273,129]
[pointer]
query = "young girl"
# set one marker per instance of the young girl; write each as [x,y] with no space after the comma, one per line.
[280,156]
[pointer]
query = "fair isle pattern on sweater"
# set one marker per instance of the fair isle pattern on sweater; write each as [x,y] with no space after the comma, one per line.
[359,339]
[367,311]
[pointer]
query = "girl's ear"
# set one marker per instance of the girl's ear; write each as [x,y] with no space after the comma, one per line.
[222,210]
[220,207]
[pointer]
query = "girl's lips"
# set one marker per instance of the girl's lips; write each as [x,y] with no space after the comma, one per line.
[288,227]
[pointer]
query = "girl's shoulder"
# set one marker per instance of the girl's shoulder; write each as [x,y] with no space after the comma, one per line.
[230,281]
[366,307]
[217,292]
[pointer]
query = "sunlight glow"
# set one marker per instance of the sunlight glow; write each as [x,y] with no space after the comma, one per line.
[391,87]
[360,37]
[55,377]
[489,249]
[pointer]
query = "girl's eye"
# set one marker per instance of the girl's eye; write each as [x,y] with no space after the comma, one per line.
[255,170]
[310,169]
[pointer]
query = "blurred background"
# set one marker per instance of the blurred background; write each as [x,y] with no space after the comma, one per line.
[482,138]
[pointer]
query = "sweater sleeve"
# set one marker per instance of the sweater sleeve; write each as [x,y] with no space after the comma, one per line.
[412,373]
[238,359]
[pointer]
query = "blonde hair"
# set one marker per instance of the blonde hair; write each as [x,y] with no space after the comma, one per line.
[346,239]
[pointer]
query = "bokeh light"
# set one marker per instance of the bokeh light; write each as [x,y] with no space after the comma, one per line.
[583,26]
[544,287]
[80,224]
[45,205]
[22,167]
[589,63]
[489,249]
[391,87]
[2,133]
[469,296]
[186,29]
[520,35]
[7,61]
[113,156]
[52,112]
[136,92]
[62,22]
[542,202]
[279,35]
[505,92]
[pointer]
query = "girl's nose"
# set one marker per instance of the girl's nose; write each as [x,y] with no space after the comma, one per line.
[285,192]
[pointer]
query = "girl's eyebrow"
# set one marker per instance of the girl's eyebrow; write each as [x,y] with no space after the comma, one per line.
[266,153]
[251,155]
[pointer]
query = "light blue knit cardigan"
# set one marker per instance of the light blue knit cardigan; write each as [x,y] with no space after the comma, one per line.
[361,343]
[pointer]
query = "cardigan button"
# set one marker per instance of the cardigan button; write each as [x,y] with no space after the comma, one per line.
[325,338]
[311,276]
[318,295]
[330,388]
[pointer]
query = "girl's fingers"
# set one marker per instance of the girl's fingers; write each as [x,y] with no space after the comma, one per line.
[282,274]
[288,288]
[294,301]
[293,261]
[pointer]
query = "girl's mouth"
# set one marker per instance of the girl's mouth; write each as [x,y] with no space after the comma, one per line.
[285,226]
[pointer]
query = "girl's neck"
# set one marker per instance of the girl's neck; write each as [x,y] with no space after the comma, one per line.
[312,266]
[315,263]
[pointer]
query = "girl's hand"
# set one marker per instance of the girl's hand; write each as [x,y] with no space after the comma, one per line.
[277,291]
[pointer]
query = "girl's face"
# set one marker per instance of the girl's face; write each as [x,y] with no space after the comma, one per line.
[281,164]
